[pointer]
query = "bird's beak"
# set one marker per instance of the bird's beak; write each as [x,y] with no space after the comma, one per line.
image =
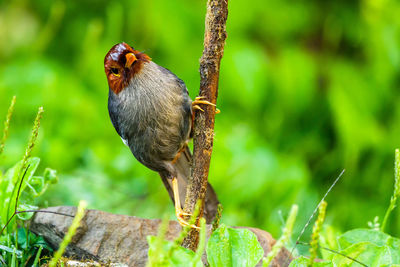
[130,58]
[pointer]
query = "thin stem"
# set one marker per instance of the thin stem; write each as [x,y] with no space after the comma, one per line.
[389,210]
[19,188]
[315,211]
[9,220]
[35,211]
[16,200]
[396,191]
[334,251]
[46,211]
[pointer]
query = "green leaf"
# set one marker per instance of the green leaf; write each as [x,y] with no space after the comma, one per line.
[170,254]
[39,184]
[22,238]
[389,245]
[362,235]
[233,247]
[365,252]
[50,176]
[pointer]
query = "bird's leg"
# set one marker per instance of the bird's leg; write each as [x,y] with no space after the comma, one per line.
[199,100]
[178,208]
[179,153]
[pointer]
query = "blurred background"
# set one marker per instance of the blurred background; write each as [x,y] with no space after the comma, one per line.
[307,89]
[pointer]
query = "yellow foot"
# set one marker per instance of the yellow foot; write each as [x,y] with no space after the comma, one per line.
[178,208]
[179,215]
[199,100]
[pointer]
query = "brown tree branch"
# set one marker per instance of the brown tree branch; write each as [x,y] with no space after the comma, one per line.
[214,41]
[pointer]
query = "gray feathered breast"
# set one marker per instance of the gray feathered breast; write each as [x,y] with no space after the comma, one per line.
[153,115]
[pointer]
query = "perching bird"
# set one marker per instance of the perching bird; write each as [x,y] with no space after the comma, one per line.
[151,111]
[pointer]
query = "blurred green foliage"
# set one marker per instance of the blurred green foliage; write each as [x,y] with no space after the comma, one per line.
[307,88]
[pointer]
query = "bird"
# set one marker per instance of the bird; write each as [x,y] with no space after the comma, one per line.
[150,109]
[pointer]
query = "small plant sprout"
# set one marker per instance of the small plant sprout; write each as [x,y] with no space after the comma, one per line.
[71,232]
[374,225]
[316,231]
[287,232]
[396,192]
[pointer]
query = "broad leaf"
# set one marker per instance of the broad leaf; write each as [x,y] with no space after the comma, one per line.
[364,235]
[364,252]
[388,246]
[233,247]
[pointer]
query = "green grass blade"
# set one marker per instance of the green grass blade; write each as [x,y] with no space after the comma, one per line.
[37,257]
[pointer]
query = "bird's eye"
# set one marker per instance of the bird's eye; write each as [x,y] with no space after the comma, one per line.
[115,71]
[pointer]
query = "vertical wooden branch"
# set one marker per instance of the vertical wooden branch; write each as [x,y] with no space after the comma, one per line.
[214,41]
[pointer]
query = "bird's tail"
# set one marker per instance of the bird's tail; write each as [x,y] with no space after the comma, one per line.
[183,166]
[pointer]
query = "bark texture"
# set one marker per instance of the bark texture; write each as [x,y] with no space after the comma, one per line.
[214,41]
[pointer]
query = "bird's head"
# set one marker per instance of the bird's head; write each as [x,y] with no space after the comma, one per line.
[121,63]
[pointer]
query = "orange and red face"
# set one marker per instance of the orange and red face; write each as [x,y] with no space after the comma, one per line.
[121,63]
